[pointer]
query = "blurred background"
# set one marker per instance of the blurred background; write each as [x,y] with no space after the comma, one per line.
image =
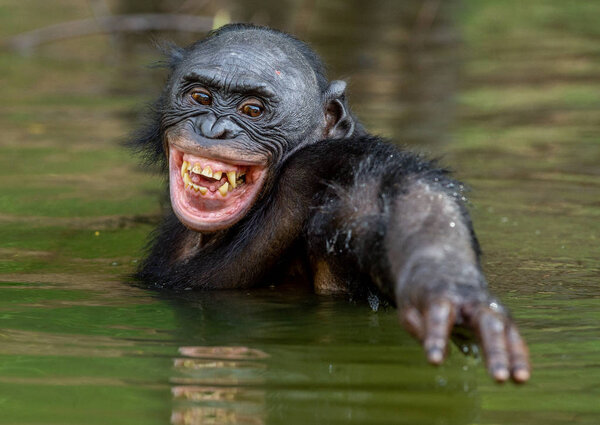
[507,93]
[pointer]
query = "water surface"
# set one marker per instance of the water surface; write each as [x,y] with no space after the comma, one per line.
[508,93]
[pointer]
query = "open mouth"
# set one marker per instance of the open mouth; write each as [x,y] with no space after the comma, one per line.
[209,194]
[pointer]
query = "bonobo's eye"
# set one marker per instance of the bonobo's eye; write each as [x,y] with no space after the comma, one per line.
[201,96]
[252,107]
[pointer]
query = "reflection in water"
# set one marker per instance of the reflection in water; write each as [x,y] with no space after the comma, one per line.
[307,359]
[233,353]
[213,415]
[218,385]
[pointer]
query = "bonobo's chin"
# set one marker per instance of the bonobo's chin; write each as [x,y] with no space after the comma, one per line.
[209,194]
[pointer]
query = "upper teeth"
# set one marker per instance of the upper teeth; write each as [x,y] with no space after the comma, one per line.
[233,178]
[207,171]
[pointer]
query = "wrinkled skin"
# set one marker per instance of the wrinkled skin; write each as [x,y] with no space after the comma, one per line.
[294,182]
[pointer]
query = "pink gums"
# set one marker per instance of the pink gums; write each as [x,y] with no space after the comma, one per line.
[211,211]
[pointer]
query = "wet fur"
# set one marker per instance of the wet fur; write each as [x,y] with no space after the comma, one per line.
[336,206]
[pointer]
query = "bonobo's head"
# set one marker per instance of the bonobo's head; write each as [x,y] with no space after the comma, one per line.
[236,105]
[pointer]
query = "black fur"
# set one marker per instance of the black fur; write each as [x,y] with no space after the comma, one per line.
[328,223]
[334,197]
[351,212]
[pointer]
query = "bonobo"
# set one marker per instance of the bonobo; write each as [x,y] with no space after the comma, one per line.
[269,169]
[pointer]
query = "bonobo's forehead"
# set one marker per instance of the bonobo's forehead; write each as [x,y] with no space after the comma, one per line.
[250,54]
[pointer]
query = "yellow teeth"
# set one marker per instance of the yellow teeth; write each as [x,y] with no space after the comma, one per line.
[186,180]
[207,172]
[231,176]
[184,167]
[200,189]
[196,188]
[224,188]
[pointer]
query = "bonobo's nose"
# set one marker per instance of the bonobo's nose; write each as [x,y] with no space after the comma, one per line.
[211,127]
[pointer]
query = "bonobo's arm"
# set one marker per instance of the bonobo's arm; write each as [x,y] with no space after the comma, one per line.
[396,219]
[438,283]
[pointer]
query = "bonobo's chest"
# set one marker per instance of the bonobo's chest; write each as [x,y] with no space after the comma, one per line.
[315,274]
[325,281]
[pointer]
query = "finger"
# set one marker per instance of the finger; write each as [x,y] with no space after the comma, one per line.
[520,367]
[412,321]
[491,330]
[439,320]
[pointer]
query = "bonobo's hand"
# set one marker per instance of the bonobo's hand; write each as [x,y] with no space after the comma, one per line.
[430,316]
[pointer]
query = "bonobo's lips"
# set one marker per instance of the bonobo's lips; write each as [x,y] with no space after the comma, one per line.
[209,194]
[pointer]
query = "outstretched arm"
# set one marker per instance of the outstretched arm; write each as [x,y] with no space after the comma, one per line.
[397,223]
[438,283]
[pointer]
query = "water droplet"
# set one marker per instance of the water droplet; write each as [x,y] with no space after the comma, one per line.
[452,224]
[373,302]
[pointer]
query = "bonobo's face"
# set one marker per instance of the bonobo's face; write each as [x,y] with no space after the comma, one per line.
[236,105]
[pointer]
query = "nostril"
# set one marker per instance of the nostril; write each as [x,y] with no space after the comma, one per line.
[223,128]
[211,127]
[221,133]
[205,124]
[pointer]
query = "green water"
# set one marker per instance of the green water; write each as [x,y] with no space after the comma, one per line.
[507,92]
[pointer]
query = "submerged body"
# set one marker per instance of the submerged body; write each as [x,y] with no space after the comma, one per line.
[268,169]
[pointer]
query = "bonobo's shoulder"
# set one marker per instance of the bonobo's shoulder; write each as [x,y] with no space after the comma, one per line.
[361,150]
[350,147]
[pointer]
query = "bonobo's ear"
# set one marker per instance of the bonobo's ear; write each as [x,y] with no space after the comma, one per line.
[339,122]
[173,54]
